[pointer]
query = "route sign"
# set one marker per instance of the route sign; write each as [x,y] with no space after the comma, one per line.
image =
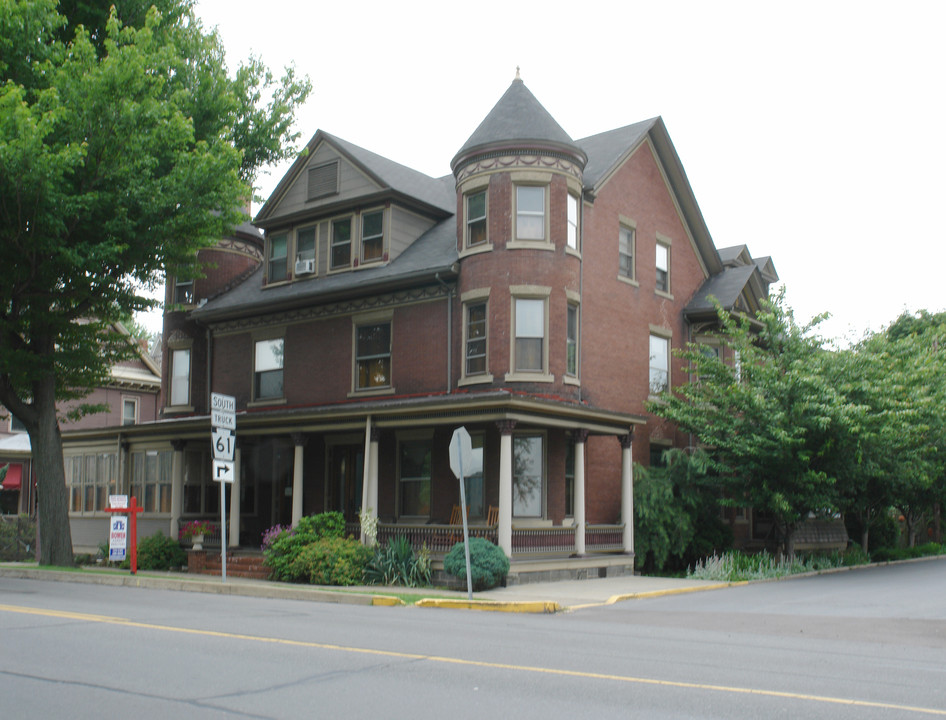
[223,442]
[223,471]
[223,411]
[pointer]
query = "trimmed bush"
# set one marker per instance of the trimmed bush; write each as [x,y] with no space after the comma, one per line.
[331,561]
[286,546]
[160,552]
[397,564]
[488,563]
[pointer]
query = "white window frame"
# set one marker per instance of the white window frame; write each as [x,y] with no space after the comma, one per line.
[133,401]
[573,222]
[332,244]
[371,320]
[468,300]
[654,367]
[627,239]
[572,342]
[178,377]
[526,293]
[521,214]
[662,247]
[470,220]
[258,373]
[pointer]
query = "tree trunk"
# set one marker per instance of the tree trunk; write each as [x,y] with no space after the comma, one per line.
[864,538]
[51,493]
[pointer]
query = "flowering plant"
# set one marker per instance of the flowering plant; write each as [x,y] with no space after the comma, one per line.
[269,536]
[197,527]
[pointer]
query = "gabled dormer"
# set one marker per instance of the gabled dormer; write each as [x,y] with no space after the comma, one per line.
[342,208]
[740,286]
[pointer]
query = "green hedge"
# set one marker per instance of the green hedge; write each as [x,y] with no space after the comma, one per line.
[488,563]
[331,561]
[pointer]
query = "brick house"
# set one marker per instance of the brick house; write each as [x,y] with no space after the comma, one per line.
[533,296]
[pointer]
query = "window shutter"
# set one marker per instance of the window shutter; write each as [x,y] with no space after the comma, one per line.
[323,180]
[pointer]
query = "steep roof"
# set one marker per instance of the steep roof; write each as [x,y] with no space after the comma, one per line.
[607,151]
[395,179]
[433,254]
[518,120]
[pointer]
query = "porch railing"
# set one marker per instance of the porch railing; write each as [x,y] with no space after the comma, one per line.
[556,540]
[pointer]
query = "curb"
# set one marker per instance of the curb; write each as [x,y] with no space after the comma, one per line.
[524,606]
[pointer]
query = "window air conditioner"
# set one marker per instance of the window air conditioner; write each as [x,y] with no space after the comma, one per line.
[305,267]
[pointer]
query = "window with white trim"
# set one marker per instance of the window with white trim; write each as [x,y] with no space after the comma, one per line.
[373,356]
[663,267]
[476,226]
[372,236]
[180,376]
[340,255]
[626,242]
[571,235]
[278,259]
[476,318]
[129,411]
[571,340]
[659,364]
[529,332]
[268,361]
[530,212]
[151,480]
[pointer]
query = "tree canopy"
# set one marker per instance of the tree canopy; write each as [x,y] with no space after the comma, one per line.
[125,146]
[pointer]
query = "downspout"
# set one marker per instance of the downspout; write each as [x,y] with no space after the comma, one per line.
[449,332]
[209,372]
[581,287]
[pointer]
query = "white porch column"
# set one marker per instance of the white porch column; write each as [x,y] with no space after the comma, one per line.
[580,437]
[373,471]
[233,522]
[298,440]
[627,490]
[177,487]
[505,486]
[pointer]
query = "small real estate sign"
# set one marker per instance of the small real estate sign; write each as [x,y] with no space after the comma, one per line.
[117,538]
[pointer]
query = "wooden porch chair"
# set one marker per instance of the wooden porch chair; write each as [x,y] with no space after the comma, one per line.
[492,517]
[456,518]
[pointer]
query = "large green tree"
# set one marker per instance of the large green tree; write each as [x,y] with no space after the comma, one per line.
[770,420]
[125,145]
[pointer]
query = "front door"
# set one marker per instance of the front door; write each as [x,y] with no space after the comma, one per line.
[346,472]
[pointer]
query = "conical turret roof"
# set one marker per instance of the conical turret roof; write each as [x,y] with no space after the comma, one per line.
[518,121]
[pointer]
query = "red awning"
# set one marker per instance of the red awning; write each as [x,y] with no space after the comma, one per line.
[13,479]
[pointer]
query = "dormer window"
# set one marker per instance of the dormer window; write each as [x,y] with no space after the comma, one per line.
[341,244]
[372,236]
[278,258]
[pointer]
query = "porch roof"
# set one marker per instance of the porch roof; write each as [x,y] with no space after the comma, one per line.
[391,412]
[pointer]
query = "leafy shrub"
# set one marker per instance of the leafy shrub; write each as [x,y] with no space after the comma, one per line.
[159,552]
[488,563]
[270,535]
[288,544]
[887,554]
[736,566]
[331,561]
[397,564]
[17,538]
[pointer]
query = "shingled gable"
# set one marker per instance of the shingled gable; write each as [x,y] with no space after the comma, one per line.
[392,180]
[607,151]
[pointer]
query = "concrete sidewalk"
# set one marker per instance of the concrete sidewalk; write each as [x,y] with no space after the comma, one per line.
[531,597]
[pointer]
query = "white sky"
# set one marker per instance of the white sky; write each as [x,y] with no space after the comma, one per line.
[813,132]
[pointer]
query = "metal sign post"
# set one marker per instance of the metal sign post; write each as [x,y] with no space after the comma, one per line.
[223,440]
[461,453]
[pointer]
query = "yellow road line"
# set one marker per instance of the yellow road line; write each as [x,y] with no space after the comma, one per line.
[477,663]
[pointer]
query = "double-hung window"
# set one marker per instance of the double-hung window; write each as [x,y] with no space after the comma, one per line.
[530,212]
[268,369]
[476,219]
[341,244]
[129,411]
[180,376]
[659,364]
[278,269]
[373,356]
[626,242]
[571,340]
[663,267]
[305,251]
[571,235]
[372,236]
[529,335]
[476,338]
